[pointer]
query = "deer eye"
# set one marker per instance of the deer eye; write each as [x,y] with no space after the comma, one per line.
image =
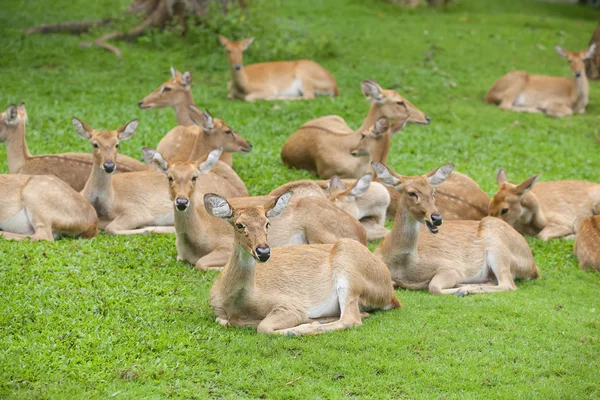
[412,194]
[167,89]
[239,226]
[268,225]
[96,146]
[171,179]
[194,178]
[117,145]
[504,211]
[400,103]
[229,132]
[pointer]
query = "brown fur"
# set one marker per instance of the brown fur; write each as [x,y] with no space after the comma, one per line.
[52,208]
[298,284]
[551,95]
[546,209]
[464,257]
[73,168]
[279,80]
[587,243]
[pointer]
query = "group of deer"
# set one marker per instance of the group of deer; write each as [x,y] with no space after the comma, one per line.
[316,274]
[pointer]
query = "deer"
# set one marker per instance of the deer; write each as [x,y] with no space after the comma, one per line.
[72,168]
[347,155]
[134,203]
[42,208]
[459,197]
[207,242]
[587,240]
[466,257]
[177,93]
[298,290]
[299,150]
[554,96]
[209,133]
[544,209]
[364,199]
[278,80]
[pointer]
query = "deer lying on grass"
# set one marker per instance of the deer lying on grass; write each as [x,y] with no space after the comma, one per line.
[587,243]
[368,207]
[209,133]
[42,208]
[458,198]
[296,285]
[347,155]
[207,242]
[279,80]
[548,209]
[177,93]
[299,151]
[460,260]
[132,203]
[73,168]
[552,95]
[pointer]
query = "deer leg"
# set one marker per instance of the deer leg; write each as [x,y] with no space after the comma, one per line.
[147,230]
[555,231]
[351,316]
[14,236]
[444,282]
[280,319]
[217,259]
[308,89]
[126,224]
[558,110]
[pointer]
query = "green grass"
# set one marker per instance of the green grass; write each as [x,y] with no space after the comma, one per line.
[120,317]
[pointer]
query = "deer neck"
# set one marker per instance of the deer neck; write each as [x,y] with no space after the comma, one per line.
[182,111]
[582,91]
[16,150]
[405,236]
[201,146]
[532,214]
[195,222]
[98,190]
[373,115]
[238,278]
[239,78]
[381,148]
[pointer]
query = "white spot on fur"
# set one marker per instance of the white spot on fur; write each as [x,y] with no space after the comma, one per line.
[18,223]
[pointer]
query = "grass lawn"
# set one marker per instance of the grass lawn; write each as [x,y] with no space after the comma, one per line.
[120,317]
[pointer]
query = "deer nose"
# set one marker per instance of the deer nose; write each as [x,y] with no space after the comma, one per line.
[250,145]
[140,103]
[109,166]
[263,252]
[237,67]
[181,204]
[577,74]
[436,219]
[427,119]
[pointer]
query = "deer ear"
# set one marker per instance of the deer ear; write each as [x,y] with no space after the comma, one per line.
[173,71]
[526,185]
[12,115]
[362,185]
[437,176]
[381,126]
[186,78]
[501,177]
[335,183]
[372,91]
[126,131]
[207,121]
[195,114]
[247,42]
[561,52]
[155,159]
[383,174]
[82,129]
[223,40]
[217,206]
[211,160]
[276,207]
[590,51]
